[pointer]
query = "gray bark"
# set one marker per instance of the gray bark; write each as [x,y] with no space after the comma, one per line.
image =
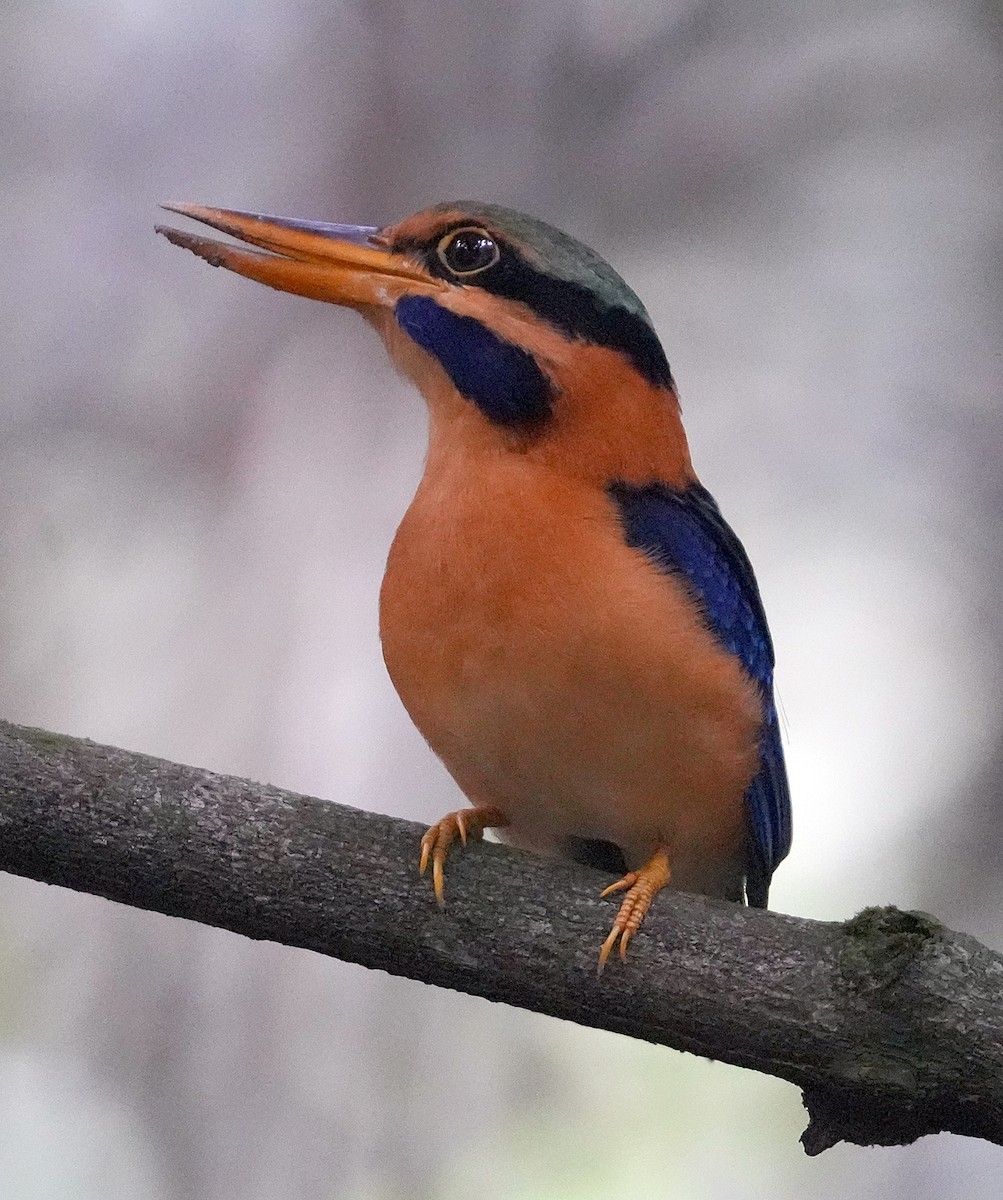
[891,1024]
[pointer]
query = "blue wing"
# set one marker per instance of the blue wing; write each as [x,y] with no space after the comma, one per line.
[684,533]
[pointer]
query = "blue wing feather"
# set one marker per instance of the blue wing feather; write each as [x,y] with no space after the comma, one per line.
[684,533]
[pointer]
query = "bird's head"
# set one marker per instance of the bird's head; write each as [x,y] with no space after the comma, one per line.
[518,335]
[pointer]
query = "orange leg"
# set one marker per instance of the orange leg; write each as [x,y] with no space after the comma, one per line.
[641,887]
[468,823]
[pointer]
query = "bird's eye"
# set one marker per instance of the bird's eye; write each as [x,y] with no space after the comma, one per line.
[468,251]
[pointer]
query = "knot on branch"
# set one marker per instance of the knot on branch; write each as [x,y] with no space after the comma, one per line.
[882,944]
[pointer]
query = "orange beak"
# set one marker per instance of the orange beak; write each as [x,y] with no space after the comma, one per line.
[342,264]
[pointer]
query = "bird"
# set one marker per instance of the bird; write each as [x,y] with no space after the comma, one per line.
[565,614]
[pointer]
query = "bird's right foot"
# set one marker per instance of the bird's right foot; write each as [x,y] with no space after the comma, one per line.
[465,823]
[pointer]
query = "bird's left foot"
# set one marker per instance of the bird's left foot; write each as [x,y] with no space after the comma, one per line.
[641,887]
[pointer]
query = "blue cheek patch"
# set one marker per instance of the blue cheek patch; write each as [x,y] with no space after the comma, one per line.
[501,379]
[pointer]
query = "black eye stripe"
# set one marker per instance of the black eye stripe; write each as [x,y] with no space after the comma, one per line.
[576,311]
[570,307]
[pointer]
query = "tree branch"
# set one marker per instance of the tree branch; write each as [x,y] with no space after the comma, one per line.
[891,1024]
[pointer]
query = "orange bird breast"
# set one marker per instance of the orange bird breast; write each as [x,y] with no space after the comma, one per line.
[563,679]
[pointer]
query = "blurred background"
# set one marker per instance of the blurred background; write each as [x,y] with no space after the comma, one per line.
[199,480]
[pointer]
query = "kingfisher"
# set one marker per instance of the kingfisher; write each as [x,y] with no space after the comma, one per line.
[567,617]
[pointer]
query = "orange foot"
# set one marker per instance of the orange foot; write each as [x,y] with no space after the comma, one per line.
[468,823]
[642,886]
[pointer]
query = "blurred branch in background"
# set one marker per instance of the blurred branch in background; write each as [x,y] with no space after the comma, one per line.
[890,1023]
